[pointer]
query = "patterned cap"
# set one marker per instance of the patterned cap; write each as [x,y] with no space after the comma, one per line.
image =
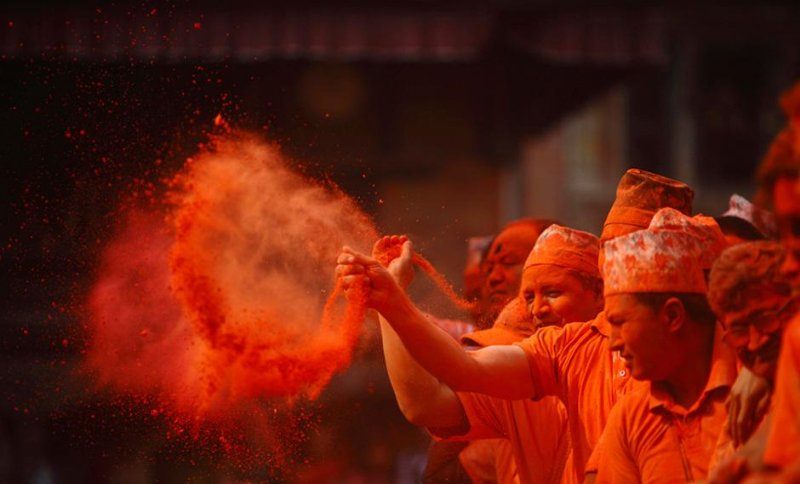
[763,221]
[704,228]
[514,323]
[653,261]
[566,247]
[639,195]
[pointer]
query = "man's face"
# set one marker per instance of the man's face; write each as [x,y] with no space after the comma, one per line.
[755,332]
[639,336]
[555,296]
[502,267]
[786,202]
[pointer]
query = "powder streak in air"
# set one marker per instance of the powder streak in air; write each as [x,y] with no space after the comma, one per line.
[222,297]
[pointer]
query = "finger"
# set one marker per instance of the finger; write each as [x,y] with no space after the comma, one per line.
[399,239]
[349,269]
[406,250]
[745,420]
[345,258]
[349,256]
[733,415]
[350,281]
[763,405]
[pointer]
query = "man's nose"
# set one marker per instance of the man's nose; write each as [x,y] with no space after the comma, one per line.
[615,340]
[496,274]
[541,307]
[790,264]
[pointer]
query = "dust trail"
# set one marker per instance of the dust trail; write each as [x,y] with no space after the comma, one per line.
[219,298]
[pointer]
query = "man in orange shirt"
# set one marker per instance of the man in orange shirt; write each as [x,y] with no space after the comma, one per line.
[514,323]
[668,430]
[572,363]
[754,303]
[500,277]
[501,268]
[560,282]
[779,175]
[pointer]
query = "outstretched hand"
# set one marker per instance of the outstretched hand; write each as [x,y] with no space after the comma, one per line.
[354,268]
[395,252]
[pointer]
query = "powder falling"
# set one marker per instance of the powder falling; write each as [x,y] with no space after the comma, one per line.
[222,298]
[385,251]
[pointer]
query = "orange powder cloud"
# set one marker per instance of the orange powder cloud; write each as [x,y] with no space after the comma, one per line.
[221,298]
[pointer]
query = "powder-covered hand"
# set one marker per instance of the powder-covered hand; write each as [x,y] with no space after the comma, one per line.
[395,252]
[381,288]
[747,403]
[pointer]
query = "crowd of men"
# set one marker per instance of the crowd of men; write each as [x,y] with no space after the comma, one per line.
[665,350]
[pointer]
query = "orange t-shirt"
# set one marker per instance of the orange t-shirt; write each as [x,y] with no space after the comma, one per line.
[480,458]
[536,431]
[574,364]
[650,438]
[783,443]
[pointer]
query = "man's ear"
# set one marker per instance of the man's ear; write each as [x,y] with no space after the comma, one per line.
[600,301]
[673,313]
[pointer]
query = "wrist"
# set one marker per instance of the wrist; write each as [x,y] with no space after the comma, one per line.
[399,308]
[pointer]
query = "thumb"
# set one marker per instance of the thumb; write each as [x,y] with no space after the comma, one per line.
[407,250]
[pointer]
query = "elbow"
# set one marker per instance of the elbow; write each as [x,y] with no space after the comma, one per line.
[415,413]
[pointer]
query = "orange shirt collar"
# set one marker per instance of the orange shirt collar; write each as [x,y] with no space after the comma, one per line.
[723,374]
[600,324]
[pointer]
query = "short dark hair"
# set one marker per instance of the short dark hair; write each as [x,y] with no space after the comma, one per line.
[743,268]
[696,305]
[739,227]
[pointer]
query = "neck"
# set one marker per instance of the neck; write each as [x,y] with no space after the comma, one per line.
[689,378]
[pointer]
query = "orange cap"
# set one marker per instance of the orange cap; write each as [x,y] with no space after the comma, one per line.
[704,228]
[639,195]
[513,324]
[653,261]
[566,247]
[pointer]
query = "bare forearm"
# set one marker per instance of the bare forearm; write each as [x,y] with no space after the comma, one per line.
[423,400]
[498,371]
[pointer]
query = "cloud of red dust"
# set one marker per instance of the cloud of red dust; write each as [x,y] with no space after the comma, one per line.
[221,297]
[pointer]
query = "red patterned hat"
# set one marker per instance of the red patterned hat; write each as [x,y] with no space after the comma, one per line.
[704,228]
[653,261]
[639,196]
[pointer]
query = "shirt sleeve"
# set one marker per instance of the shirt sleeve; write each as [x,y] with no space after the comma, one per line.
[542,350]
[783,442]
[484,416]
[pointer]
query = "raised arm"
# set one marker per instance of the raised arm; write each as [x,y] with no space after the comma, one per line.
[500,371]
[423,399]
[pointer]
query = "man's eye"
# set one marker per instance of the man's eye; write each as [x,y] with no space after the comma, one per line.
[552,294]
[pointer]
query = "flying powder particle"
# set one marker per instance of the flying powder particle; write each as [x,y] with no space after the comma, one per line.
[220,298]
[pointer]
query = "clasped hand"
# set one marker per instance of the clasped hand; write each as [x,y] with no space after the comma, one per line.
[382,285]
